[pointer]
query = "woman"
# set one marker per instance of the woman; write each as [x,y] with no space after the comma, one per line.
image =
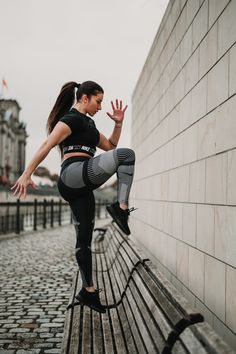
[77,136]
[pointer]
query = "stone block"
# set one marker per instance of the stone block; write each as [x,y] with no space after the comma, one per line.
[190,144]
[227,28]
[199,100]
[197,177]
[196,272]
[207,135]
[216,179]
[200,24]
[218,82]
[225,230]
[182,267]
[231,298]
[185,107]
[232,70]
[183,183]
[205,228]
[192,8]
[172,194]
[231,190]
[189,223]
[215,9]
[186,46]
[226,126]
[177,219]
[171,254]
[191,71]
[215,286]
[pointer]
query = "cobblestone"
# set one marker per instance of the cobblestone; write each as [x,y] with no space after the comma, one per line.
[35,283]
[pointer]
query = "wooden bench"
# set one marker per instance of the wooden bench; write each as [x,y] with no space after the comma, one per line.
[145,313]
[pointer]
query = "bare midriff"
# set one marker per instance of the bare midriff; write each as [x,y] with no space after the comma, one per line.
[71,154]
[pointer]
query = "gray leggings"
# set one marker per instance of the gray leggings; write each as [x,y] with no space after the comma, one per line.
[79,177]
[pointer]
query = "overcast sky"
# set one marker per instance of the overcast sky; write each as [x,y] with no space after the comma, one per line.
[49,42]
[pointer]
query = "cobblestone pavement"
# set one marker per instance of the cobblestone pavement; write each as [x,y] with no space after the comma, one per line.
[36,273]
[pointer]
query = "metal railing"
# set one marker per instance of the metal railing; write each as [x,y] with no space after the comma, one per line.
[16,217]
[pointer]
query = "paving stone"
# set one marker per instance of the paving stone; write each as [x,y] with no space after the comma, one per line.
[35,290]
[11,325]
[46,335]
[43,345]
[58,320]
[27,335]
[6,321]
[7,335]
[4,314]
[54,340]
[32,351]
[43,320]
[52,325]
[19,330]
[22,320]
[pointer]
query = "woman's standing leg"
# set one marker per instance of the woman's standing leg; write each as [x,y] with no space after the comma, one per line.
[83,211]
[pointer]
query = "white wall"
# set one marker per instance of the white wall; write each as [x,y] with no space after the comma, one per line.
[184,136]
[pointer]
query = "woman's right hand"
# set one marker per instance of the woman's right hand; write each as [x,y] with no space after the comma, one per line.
[21,185]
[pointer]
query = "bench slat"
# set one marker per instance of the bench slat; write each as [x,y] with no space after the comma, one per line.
[179,348]
[144,334]
[173,294]
[68,319]
[146,313]
[98,347]
[115,324]
[106,328]
[97,333]
[155,333]
[75,339]
[120,314]
[138,342]
[167,304]
[151,310]
[86,334]
[204,334]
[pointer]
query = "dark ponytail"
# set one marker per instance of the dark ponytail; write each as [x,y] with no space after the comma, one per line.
[66,99]
[63,103]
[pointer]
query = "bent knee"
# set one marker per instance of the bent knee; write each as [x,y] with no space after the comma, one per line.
[126,154]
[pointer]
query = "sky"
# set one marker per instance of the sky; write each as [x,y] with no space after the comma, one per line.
[47,43]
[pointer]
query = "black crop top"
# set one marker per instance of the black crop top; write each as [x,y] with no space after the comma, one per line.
[83,131]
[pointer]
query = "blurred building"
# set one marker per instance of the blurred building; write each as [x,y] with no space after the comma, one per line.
[12,141]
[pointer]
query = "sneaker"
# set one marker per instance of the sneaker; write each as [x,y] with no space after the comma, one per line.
[91,299]
[120,216]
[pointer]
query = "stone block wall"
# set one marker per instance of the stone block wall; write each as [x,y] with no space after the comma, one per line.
[184,136]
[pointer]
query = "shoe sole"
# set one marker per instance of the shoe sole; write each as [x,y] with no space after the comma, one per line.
[83,302]
[116,220]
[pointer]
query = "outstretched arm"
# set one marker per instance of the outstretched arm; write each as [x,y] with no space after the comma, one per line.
[59,133]
[118,117]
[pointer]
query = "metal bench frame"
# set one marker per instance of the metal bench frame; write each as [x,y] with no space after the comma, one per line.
[145,313]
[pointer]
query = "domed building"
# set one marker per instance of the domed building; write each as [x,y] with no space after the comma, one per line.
[12,141]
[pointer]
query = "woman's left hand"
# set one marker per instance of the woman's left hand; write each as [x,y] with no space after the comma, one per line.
[118,112]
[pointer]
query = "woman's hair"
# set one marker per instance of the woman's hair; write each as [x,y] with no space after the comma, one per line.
[66,99]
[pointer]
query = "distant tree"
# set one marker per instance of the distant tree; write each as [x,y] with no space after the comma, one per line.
[54,177]
[42,172]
